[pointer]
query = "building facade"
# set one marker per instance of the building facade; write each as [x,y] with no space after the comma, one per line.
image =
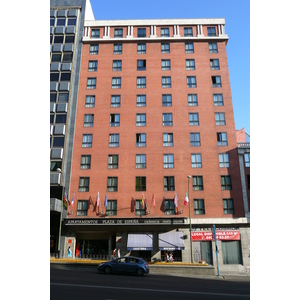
[155,162]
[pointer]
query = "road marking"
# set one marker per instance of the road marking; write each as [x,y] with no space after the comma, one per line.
[147,290]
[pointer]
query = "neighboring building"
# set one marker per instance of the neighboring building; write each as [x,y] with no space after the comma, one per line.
[66,30]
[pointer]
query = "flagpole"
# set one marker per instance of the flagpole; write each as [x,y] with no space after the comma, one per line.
[191,243]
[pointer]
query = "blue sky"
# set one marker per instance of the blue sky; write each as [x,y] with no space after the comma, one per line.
[237,26]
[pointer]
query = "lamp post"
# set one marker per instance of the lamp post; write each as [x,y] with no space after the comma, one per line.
[61,212]
[191,244]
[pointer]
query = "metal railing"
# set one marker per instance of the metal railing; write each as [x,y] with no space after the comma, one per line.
[84,256]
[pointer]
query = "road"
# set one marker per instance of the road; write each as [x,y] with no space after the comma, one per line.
[72,282]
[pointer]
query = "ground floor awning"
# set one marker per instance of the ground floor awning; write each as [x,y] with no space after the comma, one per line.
[172,240]
[140,241]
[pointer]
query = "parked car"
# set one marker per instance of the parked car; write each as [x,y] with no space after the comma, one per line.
[125,265]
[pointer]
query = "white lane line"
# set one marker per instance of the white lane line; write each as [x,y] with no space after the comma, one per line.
[147,290]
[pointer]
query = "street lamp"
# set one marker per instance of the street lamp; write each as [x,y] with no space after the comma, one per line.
[61,212]
[191,244]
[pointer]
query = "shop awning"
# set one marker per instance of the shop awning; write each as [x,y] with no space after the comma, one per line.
[172,240]
[140,241]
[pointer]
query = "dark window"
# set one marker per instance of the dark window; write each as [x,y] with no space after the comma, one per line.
[141,32]
[85,162]
[95,33]
[226,182]
[141,65]
[140,184]
[111,208]
[169,183]
[60,22]
[211,31]
[199,208]
[112,184]
[113,161]
[65,77]
[198,183]
[62,119]
[118,33]
[169,207]
[84,184]
[72,22]
[58,142]
[228,207]
[82,207]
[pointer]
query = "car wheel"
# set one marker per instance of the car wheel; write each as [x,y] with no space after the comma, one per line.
[107,270]
[140,272]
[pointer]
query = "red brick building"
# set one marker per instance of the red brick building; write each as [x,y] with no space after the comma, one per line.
[154,107]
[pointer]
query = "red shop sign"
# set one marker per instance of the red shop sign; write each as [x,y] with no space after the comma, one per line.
[223,235]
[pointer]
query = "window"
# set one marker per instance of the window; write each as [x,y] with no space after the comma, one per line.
[117,49]
[111,208]
[61,118]
[67,57]
[93,65]
[216,81]
[189,47]
[113,161]
[167,119]
[191,81]
[199,208]
[214,64]
[55,57]
[113,140]
[165,47]
[218,100]
[87,140]
[52,20]
[58,39]
[117,65]
[63,97]
[228,206]
[58,142]
[190,64]
[196,160]
[95,33]
[211,31]
[141,82]
[223,160]
[116,83]
[118,33]
[165,64]
[169,206]
[82,207]
[213,47]
[168,161]
[169,183]
[166,100]
[140,161]
[115,101]
[192,100]
[140,183]
[141,65]
[85,162]
[65,76]
[89,101]
[84,183]
[188,31]
[193,119]
[168,139]
[69,39]
[94,49]
[222,138]
[54,76]
[88,120]
[91,83]
[114,120]
[54,165]
[166,82]
[139,210]
[60,22]
[226,182]
[231,252]
[141,140]
[141,48]
[194,139]
[140,119]
[164,32]
[140,100]
[112,184]
[220,118]
[71,21]
[197,183]
[141,32]
[247,160]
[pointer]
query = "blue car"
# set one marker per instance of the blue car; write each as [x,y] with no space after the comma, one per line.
[125,265]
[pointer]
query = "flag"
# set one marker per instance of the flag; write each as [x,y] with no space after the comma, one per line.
[98,199]
[176,200]
[153,200]
[143,201]
[66,201]
[72,202]
[105,201]
[186,199]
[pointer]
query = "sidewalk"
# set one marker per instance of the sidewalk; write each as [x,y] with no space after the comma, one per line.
[165,268]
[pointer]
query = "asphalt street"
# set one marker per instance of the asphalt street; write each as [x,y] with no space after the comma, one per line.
[71,282]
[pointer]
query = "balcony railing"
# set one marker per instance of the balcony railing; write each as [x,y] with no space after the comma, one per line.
[244,144]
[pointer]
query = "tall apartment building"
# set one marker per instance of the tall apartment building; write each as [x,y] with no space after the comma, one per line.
[66,31]
[155,126]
